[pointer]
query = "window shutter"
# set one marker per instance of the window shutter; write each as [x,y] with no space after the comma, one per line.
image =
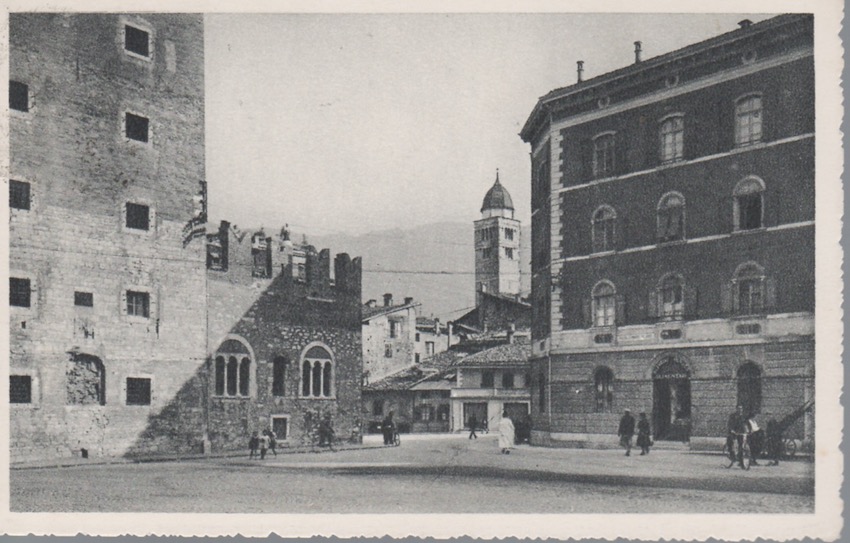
[620,317]
[587,316]
[769,294]
[652,305]
[154,304]
[621,147]
[122,302]
[691,301]
[586,155]
[661,225]
[726,301]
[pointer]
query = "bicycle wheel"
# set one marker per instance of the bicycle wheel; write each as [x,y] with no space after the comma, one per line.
[789,448]
[396,439]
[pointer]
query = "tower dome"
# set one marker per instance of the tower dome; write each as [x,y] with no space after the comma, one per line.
[497,197]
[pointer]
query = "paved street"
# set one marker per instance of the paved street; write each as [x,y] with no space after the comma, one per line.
[427,474]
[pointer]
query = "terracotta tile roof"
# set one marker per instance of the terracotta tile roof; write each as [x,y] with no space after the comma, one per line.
[509,354]
[367,312]
[401,380]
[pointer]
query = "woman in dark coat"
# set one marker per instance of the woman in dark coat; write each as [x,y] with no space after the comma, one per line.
[644,439]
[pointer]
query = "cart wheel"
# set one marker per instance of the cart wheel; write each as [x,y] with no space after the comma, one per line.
[396,439]
[789,447]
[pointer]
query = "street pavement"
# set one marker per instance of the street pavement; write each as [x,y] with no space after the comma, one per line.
[426,474]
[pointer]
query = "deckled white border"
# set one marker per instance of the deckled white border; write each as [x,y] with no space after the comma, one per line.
[824,524]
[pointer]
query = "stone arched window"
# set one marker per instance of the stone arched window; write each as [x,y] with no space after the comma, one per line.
[603,381]
[670,213]
[317,373]
[603,155]
[672,136]
[749,388]
[748,120]
[604,303]
[233,369]
[671,297]
[749,204]
[603,229]
[751,291]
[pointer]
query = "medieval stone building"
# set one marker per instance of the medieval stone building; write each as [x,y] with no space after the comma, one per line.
[107,298]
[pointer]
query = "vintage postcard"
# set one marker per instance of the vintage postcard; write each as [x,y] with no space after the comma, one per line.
[563,270]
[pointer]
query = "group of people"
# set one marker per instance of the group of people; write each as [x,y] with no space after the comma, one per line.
[626,433]
[741,428]
[264,442]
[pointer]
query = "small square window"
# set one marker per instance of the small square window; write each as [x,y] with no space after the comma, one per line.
[138,303]
[136,127]
[83,299]
[19,194]
[138,391]
[19,96]
[138,216]
[136,41]
[19,292]
[20,389]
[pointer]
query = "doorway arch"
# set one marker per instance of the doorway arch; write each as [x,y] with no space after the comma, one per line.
[671,400]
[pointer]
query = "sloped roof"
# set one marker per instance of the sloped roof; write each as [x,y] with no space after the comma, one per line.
[401,380]
[445,359]
[367,312]
[509,354]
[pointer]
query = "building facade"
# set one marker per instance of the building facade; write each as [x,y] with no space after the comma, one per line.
[497,244]
[673,240]
[432,337]
[284,339]
[389,337]
[107,293]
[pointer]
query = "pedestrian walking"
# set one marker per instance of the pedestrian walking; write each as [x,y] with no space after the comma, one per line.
[264,445]
[473,422]
[736,429]
[326,431]
[388,428]
[774,442]
[506,434]
[644,439]
[272,440]
[626,431]
[253,445]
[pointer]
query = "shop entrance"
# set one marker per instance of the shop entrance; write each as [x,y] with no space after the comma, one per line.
[671,401]
[477,409]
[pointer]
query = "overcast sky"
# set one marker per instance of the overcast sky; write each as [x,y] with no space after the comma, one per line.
[353,123]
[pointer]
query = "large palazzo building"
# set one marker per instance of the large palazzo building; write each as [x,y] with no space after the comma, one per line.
[673,240]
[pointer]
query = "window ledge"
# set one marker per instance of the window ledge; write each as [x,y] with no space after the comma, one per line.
[317,398]
[231,398]
[743,231]
[664,243]
[604,253]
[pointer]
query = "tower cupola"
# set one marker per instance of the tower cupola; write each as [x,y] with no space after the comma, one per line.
[497,201]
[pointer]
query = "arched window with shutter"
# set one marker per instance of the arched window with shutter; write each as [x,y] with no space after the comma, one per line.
[670,222]
[748,206]
[603,155]
[751,291]
[603,229]
[672,135]
[604,304]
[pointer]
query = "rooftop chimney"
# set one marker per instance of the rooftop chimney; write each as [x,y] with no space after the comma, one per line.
[371,303]
[436,327]
[408,300]
[637,52]
[579,69]
[511,331]
[388,299]
[745,23]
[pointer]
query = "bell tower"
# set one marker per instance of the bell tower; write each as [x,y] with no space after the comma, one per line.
[497,244]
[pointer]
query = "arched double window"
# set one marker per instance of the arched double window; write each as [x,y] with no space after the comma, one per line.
[749,204]
[317,373]
[671,217]
[603,381]
[604,304]
[603,229]
[233,369]
[672,134]
[748,120]
[748,289]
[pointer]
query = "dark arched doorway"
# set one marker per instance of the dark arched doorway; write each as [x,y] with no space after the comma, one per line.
[749,388]
[671,401]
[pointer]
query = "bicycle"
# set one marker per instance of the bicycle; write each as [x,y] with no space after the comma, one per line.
[396,439]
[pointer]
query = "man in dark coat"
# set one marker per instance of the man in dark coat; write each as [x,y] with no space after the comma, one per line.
[626,431]
[388,429]
[473,423]
[736,428]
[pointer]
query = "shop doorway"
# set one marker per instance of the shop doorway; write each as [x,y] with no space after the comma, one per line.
[671,401]
[518,413]
[477,409]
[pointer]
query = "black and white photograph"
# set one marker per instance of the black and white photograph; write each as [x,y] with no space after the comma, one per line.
[424,270]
